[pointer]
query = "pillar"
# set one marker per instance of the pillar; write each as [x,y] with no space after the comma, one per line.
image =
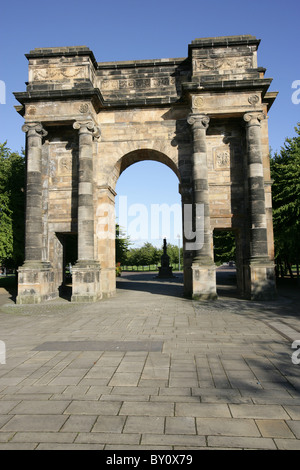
[86,272]
[203,267]
[260,284]
[106,238]
[35,277]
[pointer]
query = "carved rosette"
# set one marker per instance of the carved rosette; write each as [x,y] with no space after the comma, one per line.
[197,102]
[31,110]
[253,99]
[83,108]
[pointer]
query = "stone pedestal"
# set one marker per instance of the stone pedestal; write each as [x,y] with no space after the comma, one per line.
[86,282]
[35,283]
[204,281]
[261,283]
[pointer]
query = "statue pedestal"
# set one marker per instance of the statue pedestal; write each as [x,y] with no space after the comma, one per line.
[165,270]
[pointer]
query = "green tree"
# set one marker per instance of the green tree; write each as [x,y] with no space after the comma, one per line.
[173,252]
[149,254]
[133,257]
[122,245]
[285,172]
[224,246]
[12,202]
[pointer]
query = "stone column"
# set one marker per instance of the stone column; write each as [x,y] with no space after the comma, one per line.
[35,277]
[261,276]
[203,268]
[86,272]
[186,202]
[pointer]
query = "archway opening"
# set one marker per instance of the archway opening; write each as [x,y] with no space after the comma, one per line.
[225,258]
[67,254]
[148,210]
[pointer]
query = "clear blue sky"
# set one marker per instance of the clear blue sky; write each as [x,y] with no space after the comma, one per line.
[131,29]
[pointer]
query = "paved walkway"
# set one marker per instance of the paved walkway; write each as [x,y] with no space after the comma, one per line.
[149,369]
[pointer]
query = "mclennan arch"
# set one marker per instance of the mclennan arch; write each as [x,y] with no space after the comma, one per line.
[205,116]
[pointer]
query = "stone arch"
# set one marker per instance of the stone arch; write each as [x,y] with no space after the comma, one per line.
[105,211]
[146,155]
[128,156]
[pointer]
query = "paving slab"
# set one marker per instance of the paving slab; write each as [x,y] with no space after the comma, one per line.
[149,369]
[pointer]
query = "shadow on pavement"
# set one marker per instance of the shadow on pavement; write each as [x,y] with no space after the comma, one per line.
[287,305]
[149,282]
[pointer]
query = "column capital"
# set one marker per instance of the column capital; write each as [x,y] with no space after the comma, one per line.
[253,118]
[34,128]
[199,121]
[87,127]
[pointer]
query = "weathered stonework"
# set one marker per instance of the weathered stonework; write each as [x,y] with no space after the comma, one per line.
[204,116]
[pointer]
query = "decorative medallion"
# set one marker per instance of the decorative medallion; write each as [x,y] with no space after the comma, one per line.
[31,110]
[198,102]
[83,108]
[253,99]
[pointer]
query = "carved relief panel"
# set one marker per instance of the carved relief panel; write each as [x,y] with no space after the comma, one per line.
[221,158]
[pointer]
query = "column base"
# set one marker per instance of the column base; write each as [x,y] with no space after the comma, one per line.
[86,282]
[204,286]
[35,283]
[260,280]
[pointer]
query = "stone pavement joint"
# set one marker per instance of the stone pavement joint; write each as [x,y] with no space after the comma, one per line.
[150,369]
[100,346]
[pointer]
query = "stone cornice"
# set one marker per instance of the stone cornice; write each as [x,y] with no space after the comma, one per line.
[225,41]
[26,97]
[44,95]
[126,64]
[95,94]
[220,85]
[40,53]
